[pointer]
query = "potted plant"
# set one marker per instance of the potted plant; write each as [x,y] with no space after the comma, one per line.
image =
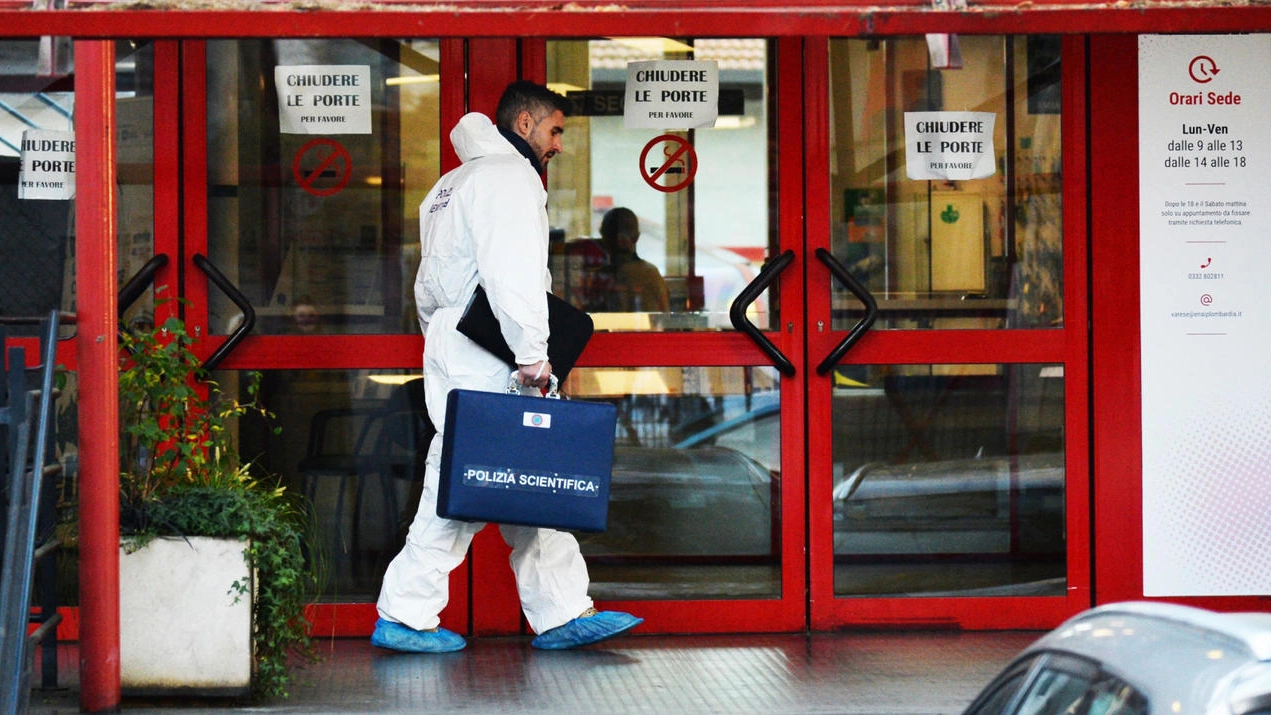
[185,489]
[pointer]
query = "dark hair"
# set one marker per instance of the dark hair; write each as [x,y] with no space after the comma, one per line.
[617,221]
[526,96]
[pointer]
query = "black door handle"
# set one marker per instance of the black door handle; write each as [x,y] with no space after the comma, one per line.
[737,313]
[858,330]
[234,294]
[137,285]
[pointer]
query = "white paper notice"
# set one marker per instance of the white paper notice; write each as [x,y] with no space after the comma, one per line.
[953,146]
[47,170]
[1205,199]
[324,99]
[671,94]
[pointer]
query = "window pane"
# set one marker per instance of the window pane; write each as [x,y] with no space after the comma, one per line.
[36,106]
[949,479]
[957,252]
[320,231]
[351,447]
[694,500]
[704,227]
[134,110]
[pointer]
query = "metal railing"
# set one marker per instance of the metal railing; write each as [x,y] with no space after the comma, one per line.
[28,418]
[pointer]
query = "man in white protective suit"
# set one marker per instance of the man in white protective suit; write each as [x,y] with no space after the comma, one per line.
[485,223]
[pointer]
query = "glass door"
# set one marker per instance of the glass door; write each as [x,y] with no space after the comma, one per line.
[947,337]
[306,161]
[660,229]
[833,381]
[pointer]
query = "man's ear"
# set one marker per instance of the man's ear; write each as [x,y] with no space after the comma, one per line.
[524,123]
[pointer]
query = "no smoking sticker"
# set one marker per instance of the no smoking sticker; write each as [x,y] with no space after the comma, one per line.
[668,163]
[322,167]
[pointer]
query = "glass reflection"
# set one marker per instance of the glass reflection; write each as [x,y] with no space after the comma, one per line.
[134,109]
[949,479]
[694,498]
[661,254]
[321,233]
[953,253]
[352,444]
[36,105]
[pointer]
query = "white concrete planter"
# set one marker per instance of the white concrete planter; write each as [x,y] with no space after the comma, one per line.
[181,631]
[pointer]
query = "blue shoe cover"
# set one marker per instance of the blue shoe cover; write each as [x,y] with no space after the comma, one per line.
[586,630]
[395,636]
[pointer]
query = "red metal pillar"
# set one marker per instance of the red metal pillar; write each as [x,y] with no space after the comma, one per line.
[95,214]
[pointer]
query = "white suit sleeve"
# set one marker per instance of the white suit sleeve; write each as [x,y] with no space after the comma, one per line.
[509,231]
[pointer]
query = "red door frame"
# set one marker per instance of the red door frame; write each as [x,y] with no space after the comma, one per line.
[181,232]
[184,135]
[500,612]
[1113,148]
[489,556]
[1118,513]
[695,349]
[1066,346]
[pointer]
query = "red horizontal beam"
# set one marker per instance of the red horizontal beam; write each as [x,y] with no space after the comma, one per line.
[518,5]
[957,346]
[693,18]
[334,352]
[587,5]
[980,614]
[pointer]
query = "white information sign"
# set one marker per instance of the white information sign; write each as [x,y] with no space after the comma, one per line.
[47,169]
[324,99]
[671,94]
[1205,321]
[952,146]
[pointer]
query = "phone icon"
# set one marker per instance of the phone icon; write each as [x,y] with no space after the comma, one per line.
[1206,263]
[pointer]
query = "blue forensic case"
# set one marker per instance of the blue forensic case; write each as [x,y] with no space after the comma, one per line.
[534,461]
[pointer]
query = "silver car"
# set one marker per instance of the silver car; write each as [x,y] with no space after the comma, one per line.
[1140,658]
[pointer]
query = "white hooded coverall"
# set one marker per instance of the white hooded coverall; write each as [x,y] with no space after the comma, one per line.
[485,223]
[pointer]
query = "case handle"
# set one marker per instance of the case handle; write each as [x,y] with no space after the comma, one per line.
[553,388]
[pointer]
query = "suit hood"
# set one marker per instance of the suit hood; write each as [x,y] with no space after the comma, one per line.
[476,136]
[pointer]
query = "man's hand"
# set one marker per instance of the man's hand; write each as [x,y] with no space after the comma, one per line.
[535,375]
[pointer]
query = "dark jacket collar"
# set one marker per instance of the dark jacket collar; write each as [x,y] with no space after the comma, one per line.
[523,147]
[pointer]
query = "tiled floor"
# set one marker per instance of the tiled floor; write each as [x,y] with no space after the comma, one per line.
[908,673]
